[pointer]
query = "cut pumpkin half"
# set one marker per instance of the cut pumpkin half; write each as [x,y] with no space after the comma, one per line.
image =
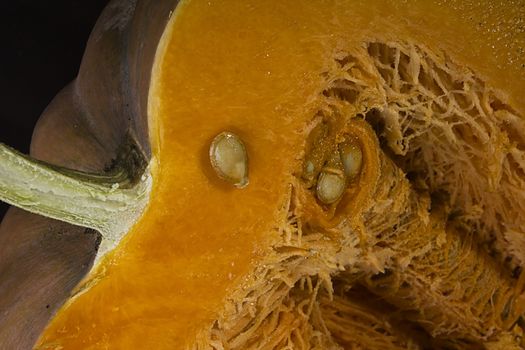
[384,144]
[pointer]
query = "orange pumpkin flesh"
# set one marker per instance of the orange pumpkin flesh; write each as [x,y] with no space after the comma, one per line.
[257,69]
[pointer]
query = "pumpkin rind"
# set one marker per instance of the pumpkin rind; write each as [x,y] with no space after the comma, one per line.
[82,129]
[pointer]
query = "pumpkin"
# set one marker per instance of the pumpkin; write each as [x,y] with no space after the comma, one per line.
[365,190]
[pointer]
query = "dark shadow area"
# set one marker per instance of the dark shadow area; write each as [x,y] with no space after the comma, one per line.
[42,43]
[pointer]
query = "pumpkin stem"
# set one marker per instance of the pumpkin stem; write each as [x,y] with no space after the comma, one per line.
[109,204]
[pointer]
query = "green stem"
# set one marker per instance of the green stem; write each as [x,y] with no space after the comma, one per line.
[107,204]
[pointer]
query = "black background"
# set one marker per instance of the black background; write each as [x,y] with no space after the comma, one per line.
[41,46]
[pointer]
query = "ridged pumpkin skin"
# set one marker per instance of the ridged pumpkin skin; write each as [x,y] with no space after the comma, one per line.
[267,71]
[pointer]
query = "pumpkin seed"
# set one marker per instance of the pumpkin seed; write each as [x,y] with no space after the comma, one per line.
[229,159]
[352,158]
[330,187]
[331,183]
[317,151]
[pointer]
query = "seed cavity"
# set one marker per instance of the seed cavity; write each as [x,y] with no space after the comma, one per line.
[330,167]
[229,159]
[352,158]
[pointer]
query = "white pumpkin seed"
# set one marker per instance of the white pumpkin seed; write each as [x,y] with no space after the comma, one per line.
[330,187]
[352,158]
[229,159]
